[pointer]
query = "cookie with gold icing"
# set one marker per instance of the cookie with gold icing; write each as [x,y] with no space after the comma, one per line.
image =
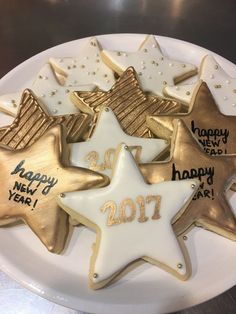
[32,121]
[31,179]
[154,69]
[132,220]
[128,102]
[210,208]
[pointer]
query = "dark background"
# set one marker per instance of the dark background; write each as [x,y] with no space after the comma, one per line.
[31,26]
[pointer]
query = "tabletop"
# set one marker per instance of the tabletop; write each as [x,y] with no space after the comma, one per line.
[31,26]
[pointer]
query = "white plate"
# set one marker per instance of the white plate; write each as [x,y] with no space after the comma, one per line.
[63,278]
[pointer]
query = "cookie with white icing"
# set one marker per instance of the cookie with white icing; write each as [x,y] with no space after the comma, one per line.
[54,97]
[132,220]
[85,68]
[221,85]
[155,70]
[97,153]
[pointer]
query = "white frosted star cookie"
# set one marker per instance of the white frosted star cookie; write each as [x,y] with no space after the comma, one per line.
[132,220]
[97,153]
[154,69]
[54,97]
[85,68]
[221,85]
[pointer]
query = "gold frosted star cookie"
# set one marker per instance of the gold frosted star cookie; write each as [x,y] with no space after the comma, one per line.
[32,177]
[214,131]
[132,220]
[210,208]
[32,121]
[220,84]
[97,153]
[155,70]
[128,102]
[85,68]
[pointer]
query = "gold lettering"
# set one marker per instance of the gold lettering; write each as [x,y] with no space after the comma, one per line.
[157,200]
[109,157]
[111,217]
[141,202]
[124,204]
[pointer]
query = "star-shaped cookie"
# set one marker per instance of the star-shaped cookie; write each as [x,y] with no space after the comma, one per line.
[210,208]
[128,102]
[32,121]
[85,68]
[132,220]
[214,131]
[221,85]
[155,70]
[30,180]
[97,153]
[54,97]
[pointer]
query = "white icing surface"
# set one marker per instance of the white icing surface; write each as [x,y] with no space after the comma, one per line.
[107,135]
[54,97]
[154,70]
[86,68]
[123,243]
[9,103]
[221,85]
[183,93]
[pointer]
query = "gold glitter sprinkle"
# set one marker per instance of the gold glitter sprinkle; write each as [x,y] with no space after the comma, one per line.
[82,66]
[217,86]
[153,62]
[74,66]
[145,50]
[52,93]
[164,83]
[95,275]
[183,65]
[97,60]
[180,266]
[93,44]
[59,102]
[105,75]
[40,77]
[68,67]
[67,91]
[161,58]
[234,90]
[140,73]
[185,238]
[188,93]
[118,53]
[216,67]
[94,73]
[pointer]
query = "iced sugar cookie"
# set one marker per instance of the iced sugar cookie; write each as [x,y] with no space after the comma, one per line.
[215,131]
[128,102]
[132,220]
[221,85]
[32,121]
[30,180]
[210,208]
[154,70]
[85,68]
[97,153]
[55,98]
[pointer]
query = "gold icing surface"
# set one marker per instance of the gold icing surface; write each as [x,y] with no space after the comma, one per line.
[209,208]
[32,177]
[32,122]
[215,131]
[129,103]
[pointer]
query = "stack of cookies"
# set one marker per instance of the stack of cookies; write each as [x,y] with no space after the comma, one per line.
[117,142]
